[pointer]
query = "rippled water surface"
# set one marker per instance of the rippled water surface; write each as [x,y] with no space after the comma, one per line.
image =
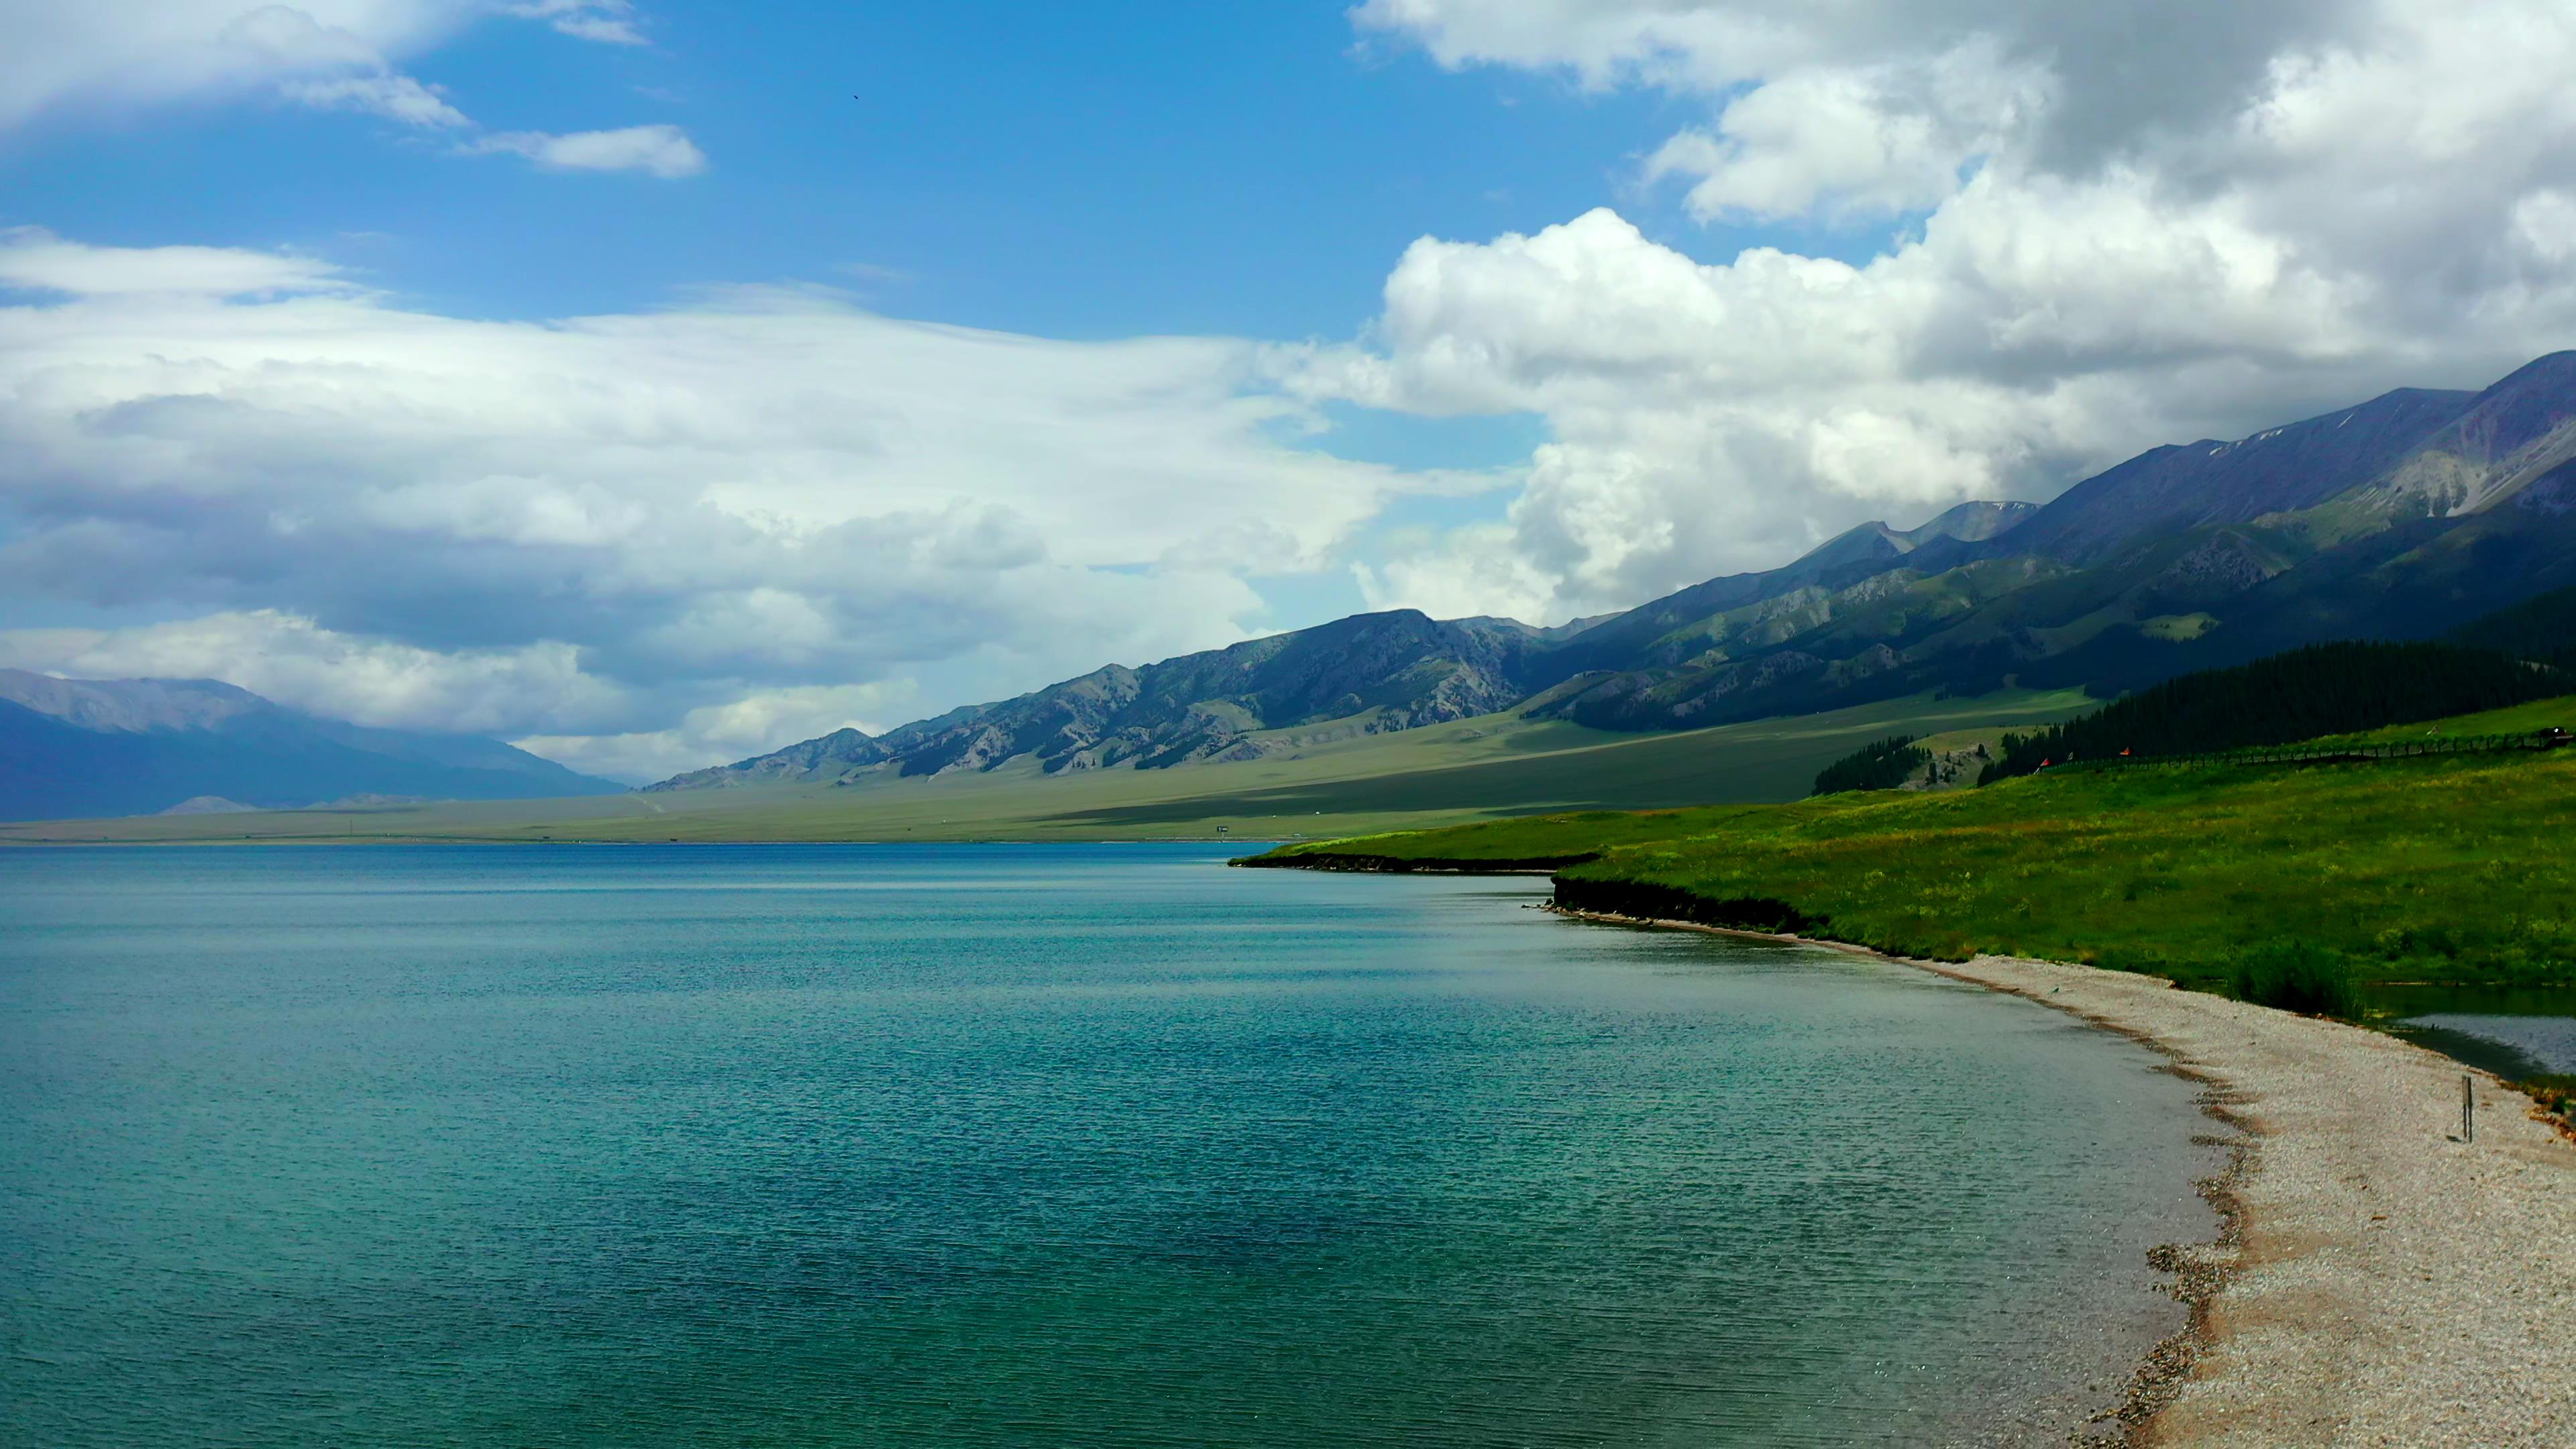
[1005,1145]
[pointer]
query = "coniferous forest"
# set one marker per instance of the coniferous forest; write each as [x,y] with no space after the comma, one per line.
[2541,629]
[1878,765]
[2324,689]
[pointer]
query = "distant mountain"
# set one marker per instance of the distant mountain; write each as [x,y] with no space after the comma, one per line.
[2399,518]
[1369,672]
[210,805]
[2172,490]
[87,748]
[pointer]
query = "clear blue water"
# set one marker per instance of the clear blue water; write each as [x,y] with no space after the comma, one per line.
[1018,1145]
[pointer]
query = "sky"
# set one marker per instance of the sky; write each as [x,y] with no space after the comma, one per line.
[654,384]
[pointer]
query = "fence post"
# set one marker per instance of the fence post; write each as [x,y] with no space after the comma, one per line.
[2468,1109]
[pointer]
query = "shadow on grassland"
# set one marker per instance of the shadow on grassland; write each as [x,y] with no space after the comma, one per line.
[1651,773]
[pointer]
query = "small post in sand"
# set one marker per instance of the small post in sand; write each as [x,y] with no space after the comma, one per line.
[2468,1110]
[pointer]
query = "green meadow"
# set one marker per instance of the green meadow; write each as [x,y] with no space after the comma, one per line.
[1326,780]
[2447,869]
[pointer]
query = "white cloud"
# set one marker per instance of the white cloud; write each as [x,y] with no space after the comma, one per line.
[723,733]
[1859,139]
[2127,67]
[394,97]
[2098,227]
[32,259]
[1473,569]
[662,150]
[2545,224]
[124,55]
[621,520]
[537,692]
[135,53]
[610,22]
[1603,45]
[2127,224]
[368,681]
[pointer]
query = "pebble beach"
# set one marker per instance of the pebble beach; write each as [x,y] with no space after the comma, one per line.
[2388,1280]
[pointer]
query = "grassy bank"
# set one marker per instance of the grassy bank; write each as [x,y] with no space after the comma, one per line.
[2446,869]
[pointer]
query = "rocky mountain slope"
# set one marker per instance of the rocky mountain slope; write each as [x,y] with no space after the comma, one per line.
[1382,671]
[73,748]
[2400,518]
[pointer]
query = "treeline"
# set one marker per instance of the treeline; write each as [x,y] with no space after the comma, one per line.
[1878,765]
[2324,689]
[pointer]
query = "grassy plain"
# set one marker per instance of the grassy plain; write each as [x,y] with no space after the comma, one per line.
[1324,781]
[2539,714]
[2446,869]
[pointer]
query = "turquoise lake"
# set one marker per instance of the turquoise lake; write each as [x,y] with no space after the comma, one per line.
[1000,1145]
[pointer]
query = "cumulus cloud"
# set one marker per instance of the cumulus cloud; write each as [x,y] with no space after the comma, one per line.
[2127,68]
[659,150]
[608,526]
[1473,569]
[1863,140]
[2114,225]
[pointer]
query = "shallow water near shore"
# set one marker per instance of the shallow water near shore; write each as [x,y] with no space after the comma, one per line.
[2511,1031]
[1000,1145]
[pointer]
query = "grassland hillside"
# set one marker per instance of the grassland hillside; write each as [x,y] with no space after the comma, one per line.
[1322,781]
[2452,869]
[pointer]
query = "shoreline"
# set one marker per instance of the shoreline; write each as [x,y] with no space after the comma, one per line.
[2376,1279]
[2199,1269]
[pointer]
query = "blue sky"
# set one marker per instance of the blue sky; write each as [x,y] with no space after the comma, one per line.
[1239,170]
[657,382]
[1235,170]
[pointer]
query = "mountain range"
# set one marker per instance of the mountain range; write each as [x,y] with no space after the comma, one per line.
[74,748]
[2398,518]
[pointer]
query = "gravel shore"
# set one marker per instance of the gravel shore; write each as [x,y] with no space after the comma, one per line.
[2390,1283]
